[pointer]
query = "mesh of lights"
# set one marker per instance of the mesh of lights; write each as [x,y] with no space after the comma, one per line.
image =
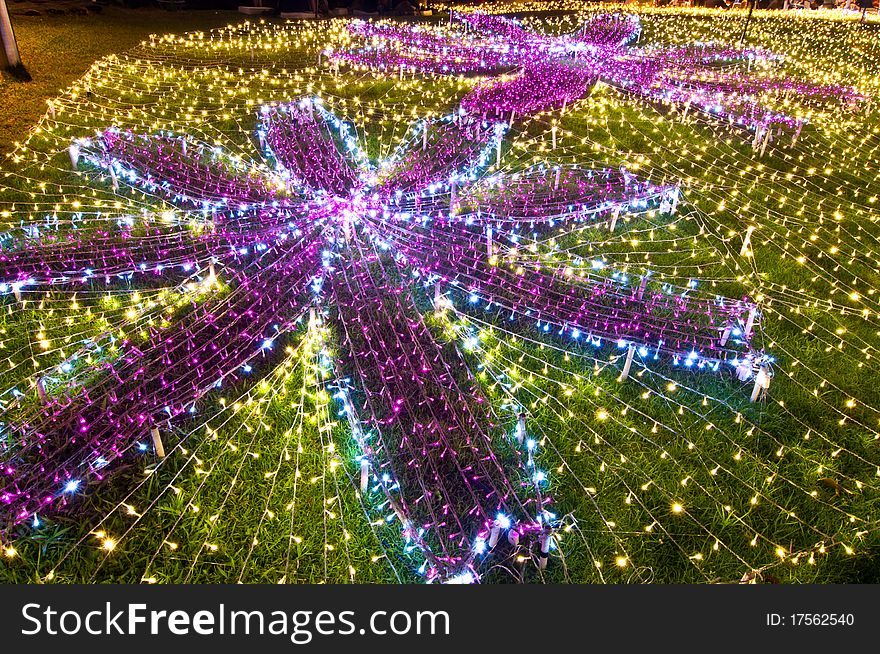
[413,237]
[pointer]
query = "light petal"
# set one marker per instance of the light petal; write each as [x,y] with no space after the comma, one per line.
[438,438]
[307,143]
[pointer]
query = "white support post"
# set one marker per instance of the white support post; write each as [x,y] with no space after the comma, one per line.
[425,138]
[512,115]
[747,240]
[556,182]
[489,241]
[762,382]
[750,321]
[438,296]
[553,132]
[157,442]
[365,474]
[766,141]
[614,217]
[73,151]
[41,390]
[16,291]
[113,178]
[51,108]
[630,352]
[725,335]
[642,286]
[494,534]
[520,432]
[498,154]
[544,540]
[401,72]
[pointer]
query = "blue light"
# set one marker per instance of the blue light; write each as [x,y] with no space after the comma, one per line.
[267,344]
[502,521]
[72,486]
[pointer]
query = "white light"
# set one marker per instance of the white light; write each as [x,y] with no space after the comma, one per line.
[461,578]
[502,521]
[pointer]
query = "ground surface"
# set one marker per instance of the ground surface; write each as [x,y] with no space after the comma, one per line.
[57,50]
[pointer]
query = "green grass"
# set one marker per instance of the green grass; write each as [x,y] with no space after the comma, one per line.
[268,493]
[57,50]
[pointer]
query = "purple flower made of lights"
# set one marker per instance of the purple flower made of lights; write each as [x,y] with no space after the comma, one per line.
[541,72]
[368,247]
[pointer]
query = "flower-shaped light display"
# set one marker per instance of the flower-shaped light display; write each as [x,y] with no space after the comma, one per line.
[544,71]
[322,231]
[377,254]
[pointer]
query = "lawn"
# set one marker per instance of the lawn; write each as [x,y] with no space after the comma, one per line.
[57,50]
[672,475]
